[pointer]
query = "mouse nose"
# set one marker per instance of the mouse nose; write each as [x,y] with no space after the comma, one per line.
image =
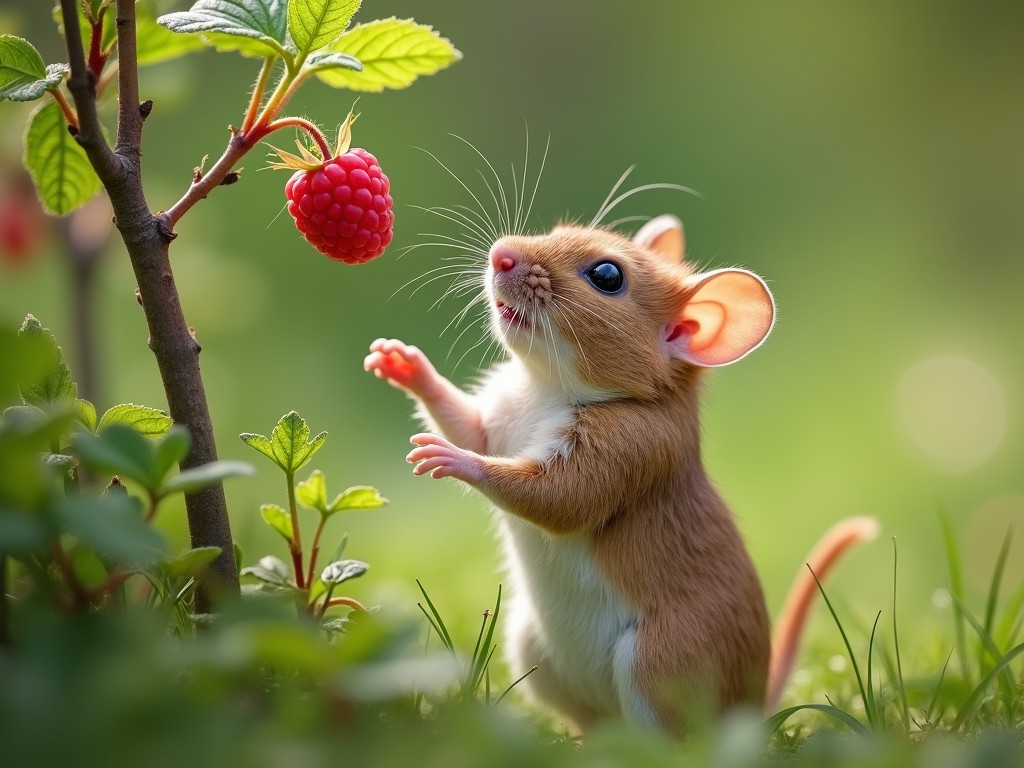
[503,258]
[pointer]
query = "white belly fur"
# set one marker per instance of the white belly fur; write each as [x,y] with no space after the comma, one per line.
[562,613]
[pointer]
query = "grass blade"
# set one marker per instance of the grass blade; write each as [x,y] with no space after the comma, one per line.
[971,706]
[938,688]
[846,641]
[997,578]
[436,621]
[479,661]
[1007,685]
[869,706]
[515,682]
[896,642]
[956,588]
[776,721]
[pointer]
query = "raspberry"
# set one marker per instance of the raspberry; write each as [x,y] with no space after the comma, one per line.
[343,207]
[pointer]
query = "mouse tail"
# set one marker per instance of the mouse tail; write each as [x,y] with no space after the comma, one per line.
[789,628]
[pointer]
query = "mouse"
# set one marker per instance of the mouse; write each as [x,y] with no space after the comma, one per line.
[631,589]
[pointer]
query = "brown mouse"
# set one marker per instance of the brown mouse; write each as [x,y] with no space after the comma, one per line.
[631,589]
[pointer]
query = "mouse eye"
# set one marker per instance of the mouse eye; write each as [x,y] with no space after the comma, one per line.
[606,276]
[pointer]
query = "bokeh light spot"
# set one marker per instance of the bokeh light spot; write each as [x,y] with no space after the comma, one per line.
[954,412]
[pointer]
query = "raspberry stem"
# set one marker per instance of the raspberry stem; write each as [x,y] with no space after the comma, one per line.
[257,93]
[65,107]
[300,122]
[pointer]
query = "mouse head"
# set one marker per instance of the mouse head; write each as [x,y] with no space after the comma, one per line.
[605,316]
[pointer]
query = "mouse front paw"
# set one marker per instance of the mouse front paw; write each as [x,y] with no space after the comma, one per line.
[402,366]
[441,458]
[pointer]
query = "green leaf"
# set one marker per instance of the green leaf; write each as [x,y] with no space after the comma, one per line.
[150,422]
[85,413]
[23,76]
[343,570]
[278,519]
[188,565]
[356,498]
[393,52]
[56,384]
[113,526]
[264,591]
[22,533]
[62,174]
[171,449]
[312,493]
[260,22]
[775,722]
[118,450]
[291,444]
[270,570]
[321,60]
[260,443]
[315,23]
[26,359]
[335,626]
[157,44]
[197,478]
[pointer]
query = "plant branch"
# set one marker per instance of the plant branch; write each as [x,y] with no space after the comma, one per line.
[97,58]
[257,93]
[351,602]
[82,85]
[295,545]
[314,551]
[304,124]
[69,113]
[202,186]
[147,241]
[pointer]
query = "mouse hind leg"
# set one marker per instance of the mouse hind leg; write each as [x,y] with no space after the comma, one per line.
[544,685]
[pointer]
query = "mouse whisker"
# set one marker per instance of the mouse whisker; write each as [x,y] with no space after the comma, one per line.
[446,269]
[474,232]
[626,220]
[450,240]
[601,212]
[536,183]
[497,179]
[608,207]
[596,315]
[451,173]
[569,324]
[464,282]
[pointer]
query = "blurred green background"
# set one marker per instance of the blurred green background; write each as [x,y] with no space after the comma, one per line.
[865,157]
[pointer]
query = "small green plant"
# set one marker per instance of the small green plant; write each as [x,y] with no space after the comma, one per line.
[70,157]
[290,447]
[476,670]
[79,492]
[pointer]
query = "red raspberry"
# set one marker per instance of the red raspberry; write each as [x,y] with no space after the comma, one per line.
[343,208]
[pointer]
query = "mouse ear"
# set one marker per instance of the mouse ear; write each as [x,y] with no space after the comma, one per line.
[728,314]
[664,236]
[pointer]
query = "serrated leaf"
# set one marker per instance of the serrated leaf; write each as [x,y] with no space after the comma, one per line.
[315,23]
[26,359]
[343,570]
[113,526]
[56,384]
[60,460]
[312,493]
[23,76]
[85,413]
[278,519]
[260,443]
[92,8]
[150,422]
[356,498]
[189,564]
[270,570]
[197,478]
[320,60]
[263,22]
[291,444]
[393,52]
[62,174]
[156,43]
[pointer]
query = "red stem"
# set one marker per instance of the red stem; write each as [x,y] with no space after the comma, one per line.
[296,122]
[314,551]
[65,107]
[97,58]
[351,602]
